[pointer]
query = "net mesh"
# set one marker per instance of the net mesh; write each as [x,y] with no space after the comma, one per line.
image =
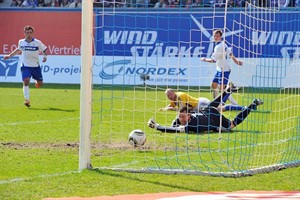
[139,53]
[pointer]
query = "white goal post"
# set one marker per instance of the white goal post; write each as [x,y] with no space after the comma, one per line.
[86,84]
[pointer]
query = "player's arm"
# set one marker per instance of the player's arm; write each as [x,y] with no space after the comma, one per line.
[168,129]
[168,107]
[45,55]
[209,60]
[12,54]
[43,48]
[189,106]
[236,61]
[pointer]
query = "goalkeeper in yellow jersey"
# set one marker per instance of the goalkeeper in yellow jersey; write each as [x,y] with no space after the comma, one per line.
[181,99]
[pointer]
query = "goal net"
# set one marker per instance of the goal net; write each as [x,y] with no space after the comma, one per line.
[140,51]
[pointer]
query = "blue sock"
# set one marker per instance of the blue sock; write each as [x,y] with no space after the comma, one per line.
[233,107]
[225,97]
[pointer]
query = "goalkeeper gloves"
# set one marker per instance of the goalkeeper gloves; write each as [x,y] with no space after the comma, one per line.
[152,124]
[181,129]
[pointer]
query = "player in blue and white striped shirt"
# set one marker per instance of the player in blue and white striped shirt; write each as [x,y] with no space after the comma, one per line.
[30,48]
[219,56]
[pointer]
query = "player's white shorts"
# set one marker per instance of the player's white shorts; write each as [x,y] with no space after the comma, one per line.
[203,102]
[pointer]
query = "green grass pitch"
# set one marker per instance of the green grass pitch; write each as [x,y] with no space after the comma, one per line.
[39,146]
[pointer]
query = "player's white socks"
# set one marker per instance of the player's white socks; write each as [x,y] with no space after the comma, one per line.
[232,100]
[26,92]
[216,93]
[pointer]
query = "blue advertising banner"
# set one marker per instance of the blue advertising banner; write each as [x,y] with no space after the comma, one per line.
[168,45]
[188,34]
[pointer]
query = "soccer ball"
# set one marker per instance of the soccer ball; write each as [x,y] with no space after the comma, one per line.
[137,138]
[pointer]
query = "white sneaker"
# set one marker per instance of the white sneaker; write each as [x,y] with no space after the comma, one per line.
[231,87]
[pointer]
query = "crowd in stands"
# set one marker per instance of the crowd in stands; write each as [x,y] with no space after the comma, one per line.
[156,3]
[46,3]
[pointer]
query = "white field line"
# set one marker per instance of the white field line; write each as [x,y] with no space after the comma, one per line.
[125,164]
[40,176]
[36,122]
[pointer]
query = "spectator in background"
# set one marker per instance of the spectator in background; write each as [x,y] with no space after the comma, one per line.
[120,3]
[160,4]
[171,4]
[297,3]
[151,3]
[65,3]
[198,3]
[189,4]
[231,4]
[106,3]
[40,3]
[240,3]
[20,3]
[260,3]
[141,3]
[252,2]
[273,3]
[109,3]
[30,3]
[281,3]
[220,3]
[207,3]
[14,3]
[47,3]
[263,3]
[284,3]
[75,4]
[174,3]
[130,3]
[54,3]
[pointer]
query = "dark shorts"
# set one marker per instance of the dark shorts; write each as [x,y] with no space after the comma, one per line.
[34,72]
[220,79]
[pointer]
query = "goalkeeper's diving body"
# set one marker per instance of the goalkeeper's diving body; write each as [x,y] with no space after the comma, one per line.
[206,120]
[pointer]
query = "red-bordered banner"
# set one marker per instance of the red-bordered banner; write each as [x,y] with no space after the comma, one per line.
[59,30]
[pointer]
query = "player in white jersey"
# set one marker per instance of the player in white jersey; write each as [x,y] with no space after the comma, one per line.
[30,48]
[219,56]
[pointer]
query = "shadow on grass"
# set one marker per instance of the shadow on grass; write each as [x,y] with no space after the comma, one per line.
[53,109]
[118,175]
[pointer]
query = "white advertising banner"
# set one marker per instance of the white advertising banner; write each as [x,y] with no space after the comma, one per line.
[161,71]
[57,69]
